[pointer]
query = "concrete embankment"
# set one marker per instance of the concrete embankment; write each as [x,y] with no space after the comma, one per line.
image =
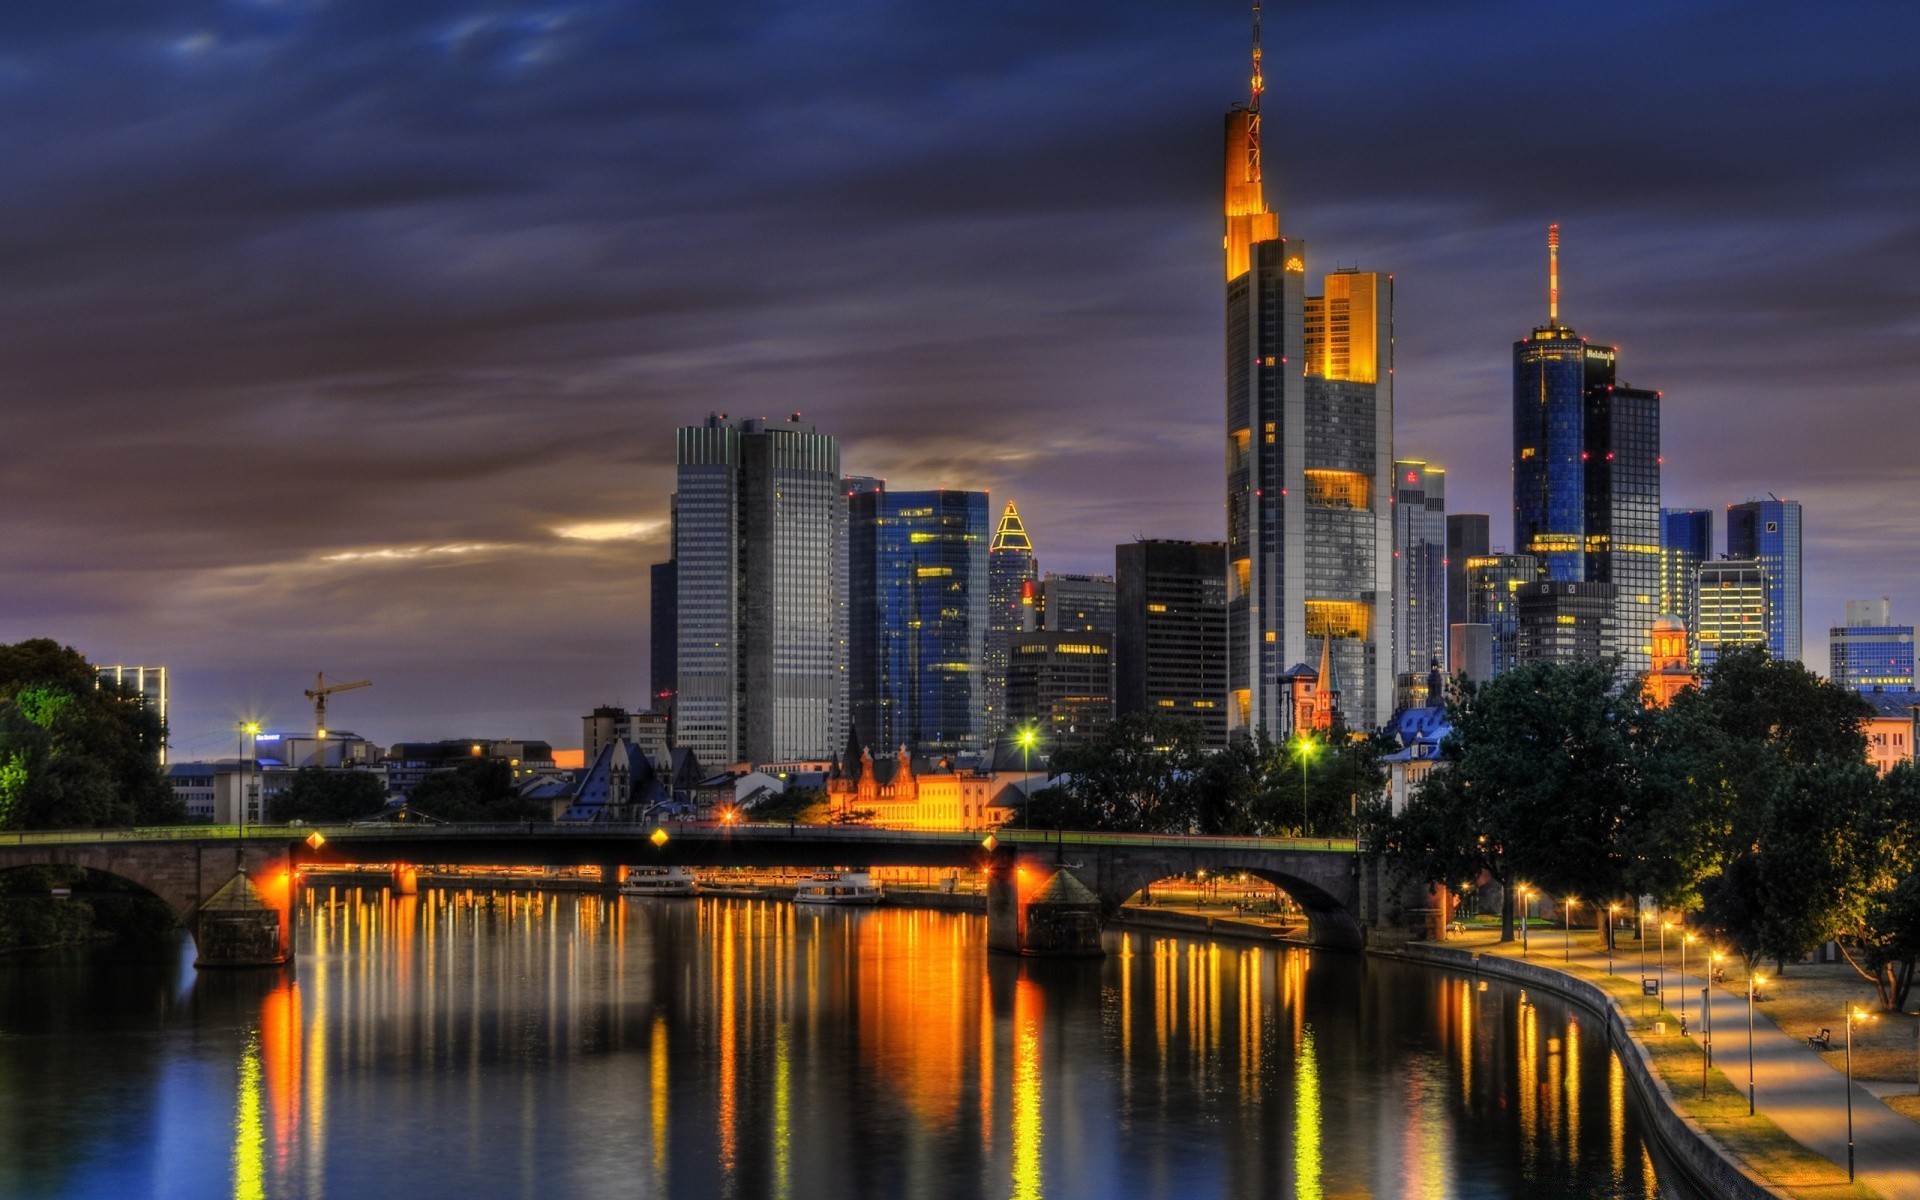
[1204,925]
[1691,1148]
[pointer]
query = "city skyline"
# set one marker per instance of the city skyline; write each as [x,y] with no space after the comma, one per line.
[378,405]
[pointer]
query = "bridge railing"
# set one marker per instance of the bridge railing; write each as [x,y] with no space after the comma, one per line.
[852,834]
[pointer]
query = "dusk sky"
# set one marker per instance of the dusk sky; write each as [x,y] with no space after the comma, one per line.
[351,337]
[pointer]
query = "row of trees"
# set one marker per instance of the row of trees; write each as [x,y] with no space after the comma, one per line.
[1749,801]
[1152,773]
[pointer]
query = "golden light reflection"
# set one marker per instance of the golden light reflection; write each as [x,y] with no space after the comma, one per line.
[1570,1088]
[782,1114]
[1026,1090]
[1306,1121]
[657,1101]
[729,1051]
[249,1139]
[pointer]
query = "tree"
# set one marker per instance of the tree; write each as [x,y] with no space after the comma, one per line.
[1138,776]
[74,753]
[795,806]
[477,790]
[328,796]
[1886,930]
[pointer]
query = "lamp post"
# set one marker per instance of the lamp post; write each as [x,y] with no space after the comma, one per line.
[1753,981]
[1685,941]
[1613,915]
[1027,739]
[1305,747]
[1706,999]
[1566,936]
[1526,915]
[1853,1014]
[1664,926]
[242,772]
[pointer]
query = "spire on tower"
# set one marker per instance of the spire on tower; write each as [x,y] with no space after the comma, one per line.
[1253,102]
[1248,219]
[1553,274]
[1011,534]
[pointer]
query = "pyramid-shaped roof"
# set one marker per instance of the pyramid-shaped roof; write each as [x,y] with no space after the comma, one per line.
[1011,534]
[237,894]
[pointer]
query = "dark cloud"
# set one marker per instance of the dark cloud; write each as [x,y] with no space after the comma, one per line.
[324,325]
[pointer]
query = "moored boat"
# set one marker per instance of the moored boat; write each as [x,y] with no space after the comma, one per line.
[659,881]
[845,887]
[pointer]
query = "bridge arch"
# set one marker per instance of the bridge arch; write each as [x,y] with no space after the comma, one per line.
[1330,923]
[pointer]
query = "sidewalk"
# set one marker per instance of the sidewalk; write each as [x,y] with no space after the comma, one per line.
[1793,1086]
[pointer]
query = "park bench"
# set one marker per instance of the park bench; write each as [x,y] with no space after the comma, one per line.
[1822,1040]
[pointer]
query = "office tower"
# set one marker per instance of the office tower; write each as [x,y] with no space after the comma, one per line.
[1467,537]
[1308,462]
[1623,515]
[918,588]
[1420,562]
[663,667]
[1686,541]
[760,525]
[1170,636]
[1870,653]
[1564,622]
[1060,684]
[1493,583]
[1586,471]
[1730,600]
[1076,603]
[1470,651]
[1010,567]
[150,685]
[1768,531]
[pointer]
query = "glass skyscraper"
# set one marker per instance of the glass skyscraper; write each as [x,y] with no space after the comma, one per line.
[1731,603]
[1870,653]
[759,529]
[1010,567]
[1420,576]
[918,580]
[1768,531]
[1623,515]
[1686,541]
[1493,585]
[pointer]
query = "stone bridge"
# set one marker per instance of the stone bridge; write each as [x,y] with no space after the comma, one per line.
[1049,892]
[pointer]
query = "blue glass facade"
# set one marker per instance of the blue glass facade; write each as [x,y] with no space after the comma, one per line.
[918,592]
[1686,541]
[1553,372]
[1866,658]
[1769,531]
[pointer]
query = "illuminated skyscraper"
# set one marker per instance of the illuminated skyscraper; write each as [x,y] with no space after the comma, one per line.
[1010,566]
[1170,648]
[1731,603]
[1686,541]
[1586,472]
[150,685]
[1309,458]
[759,530]
[918,618]
[1420,568]
[1768,531]
[1468,536]
[1493,585]
[1870,653]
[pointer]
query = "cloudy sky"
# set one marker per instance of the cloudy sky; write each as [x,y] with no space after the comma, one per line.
[351,336]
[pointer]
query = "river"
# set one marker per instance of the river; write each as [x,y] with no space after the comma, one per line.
[469,1045]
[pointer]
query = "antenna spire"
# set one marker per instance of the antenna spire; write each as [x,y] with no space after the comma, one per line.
[1553,274]
[1253,103]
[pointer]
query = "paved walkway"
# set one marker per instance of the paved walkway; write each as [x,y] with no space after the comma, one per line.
[1792,1085]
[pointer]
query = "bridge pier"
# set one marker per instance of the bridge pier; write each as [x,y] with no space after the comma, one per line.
[406,881]
[246,922]
[1041,911]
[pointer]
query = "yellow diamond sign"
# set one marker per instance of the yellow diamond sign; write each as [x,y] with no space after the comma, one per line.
[990,841]
[659,837]
[315,840]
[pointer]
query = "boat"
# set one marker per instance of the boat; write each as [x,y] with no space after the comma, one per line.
[845,887]
[659,881]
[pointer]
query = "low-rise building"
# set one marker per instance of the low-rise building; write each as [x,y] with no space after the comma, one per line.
[892,793]
[1420,732]
[410,762]
[1892,728]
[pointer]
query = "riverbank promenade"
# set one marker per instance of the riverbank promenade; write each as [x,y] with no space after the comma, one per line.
[1793,1086]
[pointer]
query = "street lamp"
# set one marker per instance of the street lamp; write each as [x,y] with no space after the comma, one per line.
[1613,915]
[1566,937]
[1753,981]
[248,729]
[1706,1001]
[1526,917]
[1853,1014]
[1685,941]
[1027,738]
[1305,747]
[1664,926]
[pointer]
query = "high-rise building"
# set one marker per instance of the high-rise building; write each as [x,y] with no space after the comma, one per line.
[1730,600]
[1870,653]
[150,685]
[918,588]
[1060,684]
[1076,603]
[1686,541]
[1768,531]
[1586,472]
[1309,456]
[663,667]
[1468,536]
[1420,564]
[759,528]
[1170,648]
[1493,585]
[1010,567]
[1470,651]
[1564,622]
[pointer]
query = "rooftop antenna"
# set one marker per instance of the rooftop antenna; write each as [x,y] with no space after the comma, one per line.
[1253,104]
[1553,274]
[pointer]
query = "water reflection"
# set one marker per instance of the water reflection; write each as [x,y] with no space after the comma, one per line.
[472,1043]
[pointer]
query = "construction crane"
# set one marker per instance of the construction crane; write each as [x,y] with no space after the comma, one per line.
[318,693]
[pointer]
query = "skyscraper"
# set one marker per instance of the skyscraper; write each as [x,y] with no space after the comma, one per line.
[1060,684]
[1420,563]
[919,613]
[150,685]
[1686,541]
[1731,603]
[1309,456]
[663,637]
[1564,622]
[1768,531]
[1586,471]
[1870,653]
[1010,566]
[1468,536]
[1170,648]
[759,527]
[1076,603]
[1493,585]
